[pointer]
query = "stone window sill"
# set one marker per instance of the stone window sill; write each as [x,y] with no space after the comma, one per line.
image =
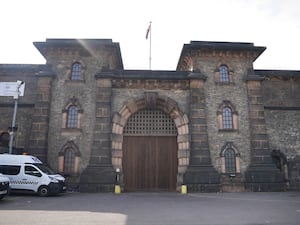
[228,130]
[224,83]
[74,82]
[71,131]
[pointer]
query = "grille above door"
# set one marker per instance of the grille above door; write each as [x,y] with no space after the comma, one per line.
[150,122]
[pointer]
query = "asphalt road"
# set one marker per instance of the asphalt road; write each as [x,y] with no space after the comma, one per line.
[281,208]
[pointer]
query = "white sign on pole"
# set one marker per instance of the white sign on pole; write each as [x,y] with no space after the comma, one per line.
[10,88]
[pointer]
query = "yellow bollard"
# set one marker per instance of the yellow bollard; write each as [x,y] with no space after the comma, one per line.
[117,189]
[183,189]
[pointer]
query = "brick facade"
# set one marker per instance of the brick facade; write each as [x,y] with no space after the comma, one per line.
[265,103]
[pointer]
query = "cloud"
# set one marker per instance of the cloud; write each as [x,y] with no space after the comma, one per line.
[271,23]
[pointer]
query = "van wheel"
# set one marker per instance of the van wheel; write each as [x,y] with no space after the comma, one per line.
[43,191]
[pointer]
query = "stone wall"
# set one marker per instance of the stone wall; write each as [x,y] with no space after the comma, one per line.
[121,96]
[93,57]
[28,74]
[63,90]
[281,91]
[236,93]
[282,113]
[23,122]
[283,130]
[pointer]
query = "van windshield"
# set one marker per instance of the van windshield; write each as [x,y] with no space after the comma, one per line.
[44,169]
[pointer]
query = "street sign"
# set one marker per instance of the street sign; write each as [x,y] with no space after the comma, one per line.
[10,88]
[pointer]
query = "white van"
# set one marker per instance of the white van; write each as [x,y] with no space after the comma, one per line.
[4,186]
[28,173]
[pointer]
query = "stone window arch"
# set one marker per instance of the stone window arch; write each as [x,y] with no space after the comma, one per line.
[227,116]
[72,114]
[223,74]
[230,159]
[76,72]
[68,159]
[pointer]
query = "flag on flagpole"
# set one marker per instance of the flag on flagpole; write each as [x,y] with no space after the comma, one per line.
[148,30]
[148,33]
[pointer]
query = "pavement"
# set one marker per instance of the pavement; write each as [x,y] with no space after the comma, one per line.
[246,208]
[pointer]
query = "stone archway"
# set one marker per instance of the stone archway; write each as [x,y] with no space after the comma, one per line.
[152,100]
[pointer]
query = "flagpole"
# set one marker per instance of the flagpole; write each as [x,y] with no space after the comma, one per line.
[150,45]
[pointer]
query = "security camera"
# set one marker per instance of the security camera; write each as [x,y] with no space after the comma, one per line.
[19,82]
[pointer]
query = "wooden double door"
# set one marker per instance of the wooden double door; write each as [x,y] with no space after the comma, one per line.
[150,163]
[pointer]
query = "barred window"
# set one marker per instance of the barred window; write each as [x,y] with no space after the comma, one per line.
[224,74]
[72,117]
[69,161]
[230,164]
[76,71]
[227,118]
[150,122]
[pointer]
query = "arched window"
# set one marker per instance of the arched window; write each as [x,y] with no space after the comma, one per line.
[227,116]
[76,71]
[69,157]
[230,159]
[72,121]
[72,114]
[224,74]
[229,156]
[69,161]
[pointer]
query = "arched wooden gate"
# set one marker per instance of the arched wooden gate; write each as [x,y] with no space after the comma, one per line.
[150,152]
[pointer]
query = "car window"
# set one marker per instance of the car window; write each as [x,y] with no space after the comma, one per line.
[30,170]
[45,169]
[9,169]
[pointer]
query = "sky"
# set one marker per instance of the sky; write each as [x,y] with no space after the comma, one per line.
[274,24]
